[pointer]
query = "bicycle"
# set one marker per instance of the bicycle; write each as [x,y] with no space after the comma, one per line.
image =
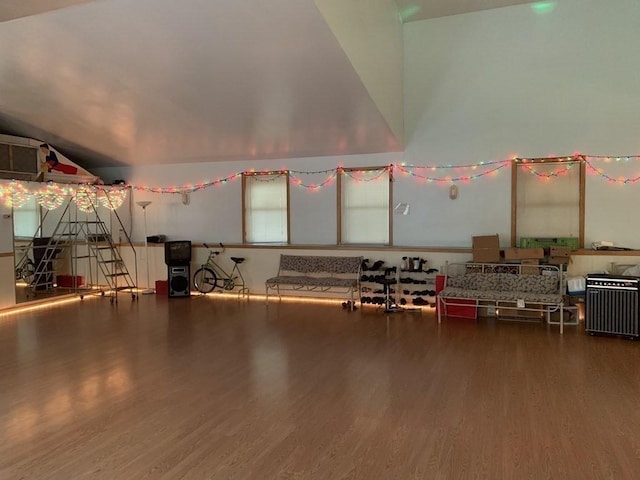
[25,270]
[211,275]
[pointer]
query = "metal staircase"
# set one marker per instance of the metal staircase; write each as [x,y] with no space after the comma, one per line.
[90,244]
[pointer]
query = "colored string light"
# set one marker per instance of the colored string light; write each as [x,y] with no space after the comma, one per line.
[450,179]
[596,171]
[548,175]
[50,196]
[298,181]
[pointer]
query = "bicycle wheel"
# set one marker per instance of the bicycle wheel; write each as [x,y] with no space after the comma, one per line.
[205,280]
[26,272]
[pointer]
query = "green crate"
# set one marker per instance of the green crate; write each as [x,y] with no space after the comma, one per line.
[531,242]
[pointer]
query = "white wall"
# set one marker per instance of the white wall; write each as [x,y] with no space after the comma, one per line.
[215,213]
[7,267]
[498,83]
[370,32]
[478,87]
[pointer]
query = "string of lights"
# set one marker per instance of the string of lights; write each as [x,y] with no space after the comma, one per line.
[449,179]
[592,169]
[51,195]
[549,175]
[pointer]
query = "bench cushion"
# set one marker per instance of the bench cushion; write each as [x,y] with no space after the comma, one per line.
[500,295]
[505,282]
[312,281]
[319,264]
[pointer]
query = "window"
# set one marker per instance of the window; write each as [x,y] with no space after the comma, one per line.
[26,219]
[548,196]
[364,199]
[265,208]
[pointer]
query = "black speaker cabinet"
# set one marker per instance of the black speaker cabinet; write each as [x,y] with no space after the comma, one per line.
[179,276]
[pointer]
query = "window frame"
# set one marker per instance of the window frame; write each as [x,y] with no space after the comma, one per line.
[516,166]
[245,180]
[341,172]
[21,211]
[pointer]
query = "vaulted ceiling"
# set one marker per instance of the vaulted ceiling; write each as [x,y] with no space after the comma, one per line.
[128,82]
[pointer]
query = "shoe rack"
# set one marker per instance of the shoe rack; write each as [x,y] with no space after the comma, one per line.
[371,287]
[416,287]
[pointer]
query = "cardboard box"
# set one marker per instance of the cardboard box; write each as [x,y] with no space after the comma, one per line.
[555,251]
[558,260]
[523,253]
[511,310]
[532,269]
[570,316]
[486,249]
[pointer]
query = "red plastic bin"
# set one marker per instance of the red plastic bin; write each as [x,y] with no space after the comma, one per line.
[459,311]
[69,281]
[162,287]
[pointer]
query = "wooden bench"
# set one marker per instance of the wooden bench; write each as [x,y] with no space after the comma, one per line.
[310,273]
[537,288]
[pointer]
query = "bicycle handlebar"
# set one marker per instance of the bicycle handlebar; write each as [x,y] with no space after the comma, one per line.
[217,253]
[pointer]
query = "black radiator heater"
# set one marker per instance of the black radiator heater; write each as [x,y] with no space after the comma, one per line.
[612,305]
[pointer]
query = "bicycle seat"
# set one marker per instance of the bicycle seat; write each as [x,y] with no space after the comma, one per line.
[237,259]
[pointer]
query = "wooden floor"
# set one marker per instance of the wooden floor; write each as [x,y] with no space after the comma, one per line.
[208,387]
[25,293]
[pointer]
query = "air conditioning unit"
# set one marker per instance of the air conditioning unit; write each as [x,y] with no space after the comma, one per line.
[18,162]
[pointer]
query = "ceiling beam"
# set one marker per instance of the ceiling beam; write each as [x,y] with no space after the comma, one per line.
[12,9]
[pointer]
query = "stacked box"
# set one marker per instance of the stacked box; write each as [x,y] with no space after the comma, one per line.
[486,249]
[523,253]
[530,266]
[559,255]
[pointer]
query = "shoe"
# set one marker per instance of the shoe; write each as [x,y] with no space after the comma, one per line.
[347,304]
[377,265]
[365,265]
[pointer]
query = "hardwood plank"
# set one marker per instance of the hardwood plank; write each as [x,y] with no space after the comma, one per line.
[208,387]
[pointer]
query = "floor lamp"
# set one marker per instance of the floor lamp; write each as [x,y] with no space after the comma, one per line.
[144,204]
